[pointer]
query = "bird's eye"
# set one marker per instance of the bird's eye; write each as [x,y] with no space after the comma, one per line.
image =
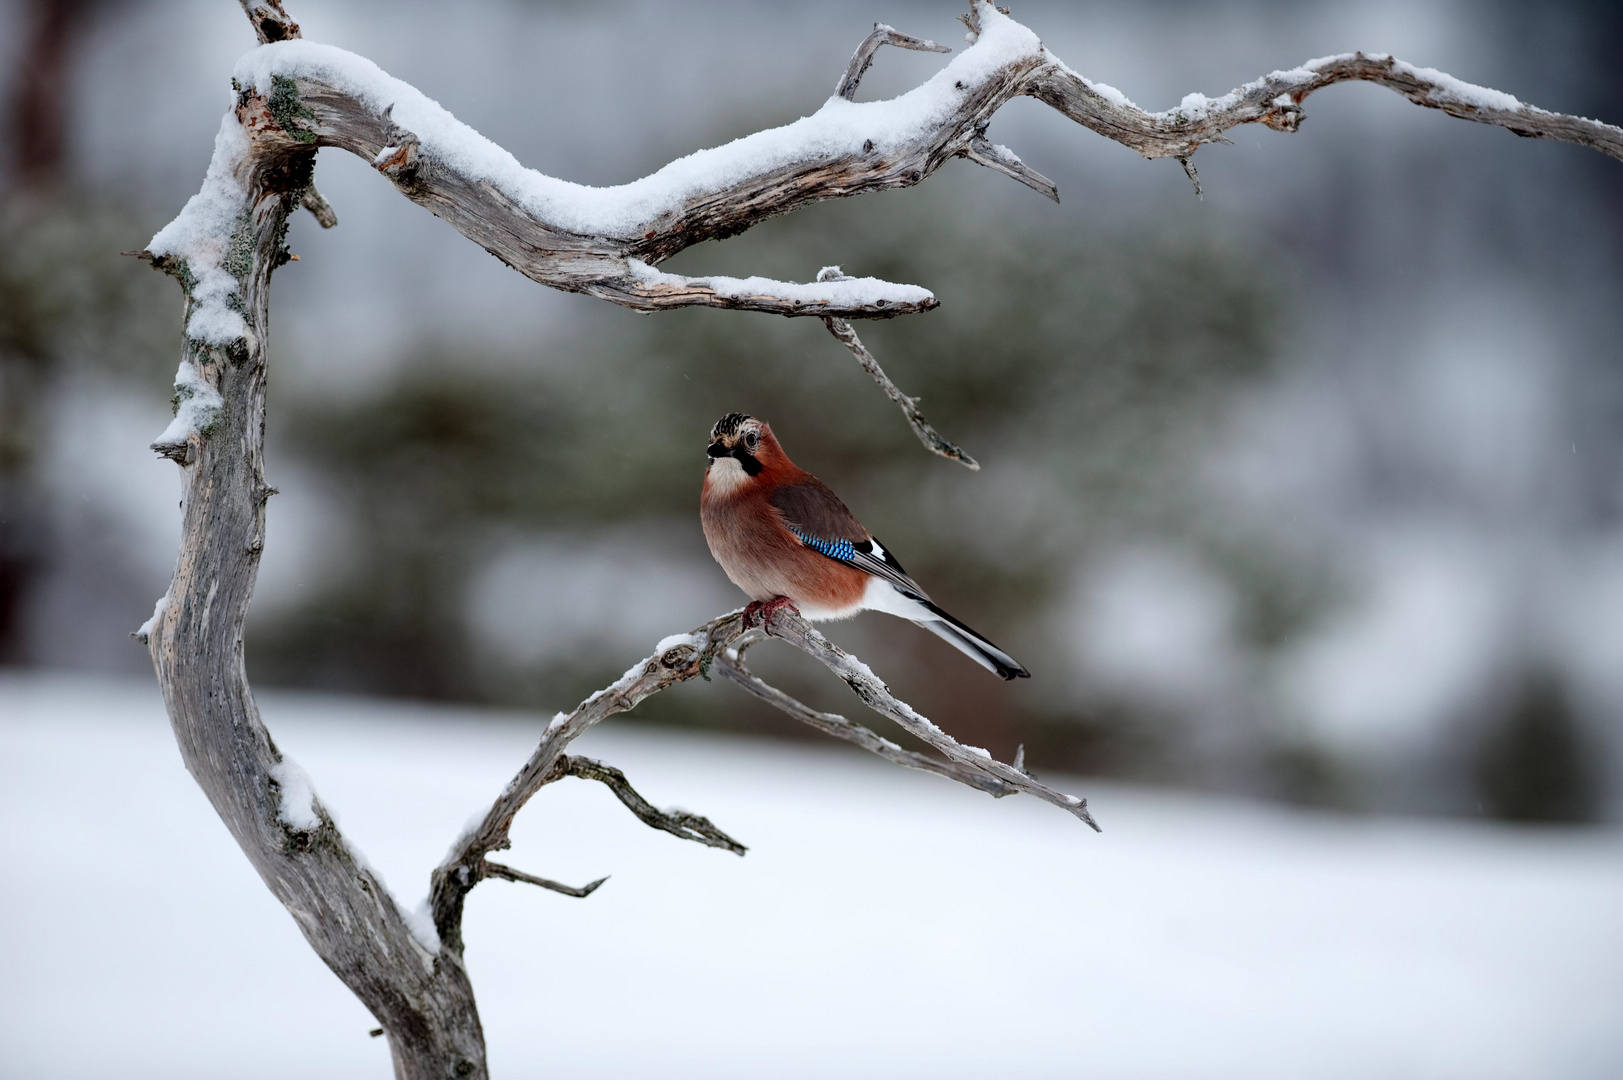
[751,440]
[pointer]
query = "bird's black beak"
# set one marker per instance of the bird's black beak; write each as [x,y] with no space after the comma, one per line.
[716,450]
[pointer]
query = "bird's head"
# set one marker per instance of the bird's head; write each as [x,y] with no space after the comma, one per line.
[740,447]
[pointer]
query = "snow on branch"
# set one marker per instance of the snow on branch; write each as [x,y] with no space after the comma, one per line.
[294,96]
[607,241]
[1275,100]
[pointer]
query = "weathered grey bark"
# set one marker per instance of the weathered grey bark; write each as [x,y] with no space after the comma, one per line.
[421,996]
[412,977]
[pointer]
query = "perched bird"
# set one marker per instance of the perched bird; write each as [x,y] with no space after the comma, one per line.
[784,538]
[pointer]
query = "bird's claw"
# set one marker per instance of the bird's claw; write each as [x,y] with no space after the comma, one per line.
[761,612]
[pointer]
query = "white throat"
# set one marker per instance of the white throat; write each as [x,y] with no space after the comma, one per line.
[726,476]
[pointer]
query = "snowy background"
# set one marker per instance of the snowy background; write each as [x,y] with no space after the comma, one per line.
[1303,494]
[883,923]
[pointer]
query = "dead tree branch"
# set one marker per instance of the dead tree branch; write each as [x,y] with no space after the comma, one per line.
[607,242]
[679,823]
[1275,100]
[294,97]
[716,647]
[877,696]
[860,61]
[730,666]
[933,440]
[507,873]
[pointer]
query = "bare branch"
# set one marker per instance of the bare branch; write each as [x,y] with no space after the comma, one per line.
[876,695]
[1194,177]
[882,35]
[678,659]
[733,670]
[679,823]
[846,335]
[1276,101]
[713,647]
[498,870]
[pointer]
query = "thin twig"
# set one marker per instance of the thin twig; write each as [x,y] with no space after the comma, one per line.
[932,439]
[876,695]
[507,873]
[680,823]
[734,671]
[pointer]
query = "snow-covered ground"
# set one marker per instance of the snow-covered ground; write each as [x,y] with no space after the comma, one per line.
[883,924]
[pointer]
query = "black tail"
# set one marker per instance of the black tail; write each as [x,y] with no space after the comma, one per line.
[974,646]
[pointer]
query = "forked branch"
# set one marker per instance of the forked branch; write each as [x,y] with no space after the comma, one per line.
[717,647]
[607,242]
[882,35]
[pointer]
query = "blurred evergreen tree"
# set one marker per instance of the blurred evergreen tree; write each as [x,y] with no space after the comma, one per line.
[1082,370]
[1536,765]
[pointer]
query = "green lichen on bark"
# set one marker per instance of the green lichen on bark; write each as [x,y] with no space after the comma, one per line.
[239,257]
[287,110]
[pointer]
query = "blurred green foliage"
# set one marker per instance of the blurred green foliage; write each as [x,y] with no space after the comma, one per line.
[69,306]
[1081,369]
[1536,766]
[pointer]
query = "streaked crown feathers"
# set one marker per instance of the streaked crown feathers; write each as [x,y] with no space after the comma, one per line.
[729,424]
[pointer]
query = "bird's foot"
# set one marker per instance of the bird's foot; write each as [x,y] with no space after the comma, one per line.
[760,612]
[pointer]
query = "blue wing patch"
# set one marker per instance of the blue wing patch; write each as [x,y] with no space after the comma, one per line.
[839,550]
[864,555]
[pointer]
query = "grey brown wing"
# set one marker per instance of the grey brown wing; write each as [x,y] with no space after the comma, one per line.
[817,516]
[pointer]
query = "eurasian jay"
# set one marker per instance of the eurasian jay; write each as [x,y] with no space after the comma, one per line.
[785,539]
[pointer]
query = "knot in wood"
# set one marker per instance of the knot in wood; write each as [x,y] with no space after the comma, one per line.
[679,657]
